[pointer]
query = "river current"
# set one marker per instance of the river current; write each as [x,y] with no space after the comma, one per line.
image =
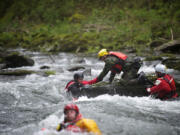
[33,104]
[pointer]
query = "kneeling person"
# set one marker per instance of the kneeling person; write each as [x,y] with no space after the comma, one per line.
[164,87]
[74,121]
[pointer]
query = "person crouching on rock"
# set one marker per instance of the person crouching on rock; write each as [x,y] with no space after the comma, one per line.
[74,122]
[75,85]
[116,62]
[164,87]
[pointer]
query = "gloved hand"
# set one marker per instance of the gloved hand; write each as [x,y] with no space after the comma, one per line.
[60,127]
[148,90]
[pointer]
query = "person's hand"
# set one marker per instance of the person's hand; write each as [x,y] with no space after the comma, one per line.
[60,127]
[148,90]
[86,86]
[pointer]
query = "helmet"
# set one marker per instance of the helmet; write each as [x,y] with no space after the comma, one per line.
[102,53]
[71,107]
[78,76]
[160,68]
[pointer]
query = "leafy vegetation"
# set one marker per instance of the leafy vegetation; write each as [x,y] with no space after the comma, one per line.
[87,25]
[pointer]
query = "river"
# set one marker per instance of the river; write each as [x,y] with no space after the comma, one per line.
[33,104]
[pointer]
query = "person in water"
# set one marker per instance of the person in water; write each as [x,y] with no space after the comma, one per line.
[117,62]
[73,121]
[78,82]
[164,87]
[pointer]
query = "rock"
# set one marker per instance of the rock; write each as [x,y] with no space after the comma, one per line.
[111,89]
[47,73]
[80,61]
[76,68]
[16,72]
[16,60]
[130,88]
[44,67]
[156,43]
[172,46]
[173,63]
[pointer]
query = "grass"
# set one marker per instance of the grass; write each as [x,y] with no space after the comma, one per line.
[87,26]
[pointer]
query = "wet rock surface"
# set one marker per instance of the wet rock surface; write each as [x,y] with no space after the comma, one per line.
[14,60]
[172,46]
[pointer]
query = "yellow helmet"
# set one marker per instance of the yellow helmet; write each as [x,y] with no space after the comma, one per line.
[102,53]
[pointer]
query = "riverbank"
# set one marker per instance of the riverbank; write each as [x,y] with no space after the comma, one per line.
[78,26]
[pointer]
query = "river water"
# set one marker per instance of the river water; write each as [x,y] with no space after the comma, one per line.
[33,104]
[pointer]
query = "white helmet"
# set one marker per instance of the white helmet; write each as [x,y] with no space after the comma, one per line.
[160,68]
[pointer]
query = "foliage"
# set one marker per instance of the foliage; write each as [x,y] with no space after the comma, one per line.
[87,25]
[49,72]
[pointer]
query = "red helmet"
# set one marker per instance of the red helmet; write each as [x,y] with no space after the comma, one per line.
[71,107]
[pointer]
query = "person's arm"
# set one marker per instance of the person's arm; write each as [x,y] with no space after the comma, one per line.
[108,66]
[95,80]
[156,88]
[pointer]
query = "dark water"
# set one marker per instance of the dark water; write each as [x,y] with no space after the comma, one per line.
[33,102]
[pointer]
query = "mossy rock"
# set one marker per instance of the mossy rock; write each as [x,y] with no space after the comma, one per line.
[157,43]
[49,72]
[15,60]
[151,58]
[173,63]
[16,72]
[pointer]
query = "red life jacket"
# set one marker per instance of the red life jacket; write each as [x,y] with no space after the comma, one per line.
[69,83]
[122,57]
[165,88]
[170,80]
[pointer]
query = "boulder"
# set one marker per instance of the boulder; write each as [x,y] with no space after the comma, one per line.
[130,88]
[111,89]
[44,67]
[172,46]
[16,72]
[16,60]
[157,43]
[76,68]
[173,63]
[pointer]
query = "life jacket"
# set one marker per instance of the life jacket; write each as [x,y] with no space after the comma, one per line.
[80,125]
[73,127]
[164,88]
[69,83]
[73,86]
[119,55]
[169,79]
[88,125]
[118,66]
[70,126]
